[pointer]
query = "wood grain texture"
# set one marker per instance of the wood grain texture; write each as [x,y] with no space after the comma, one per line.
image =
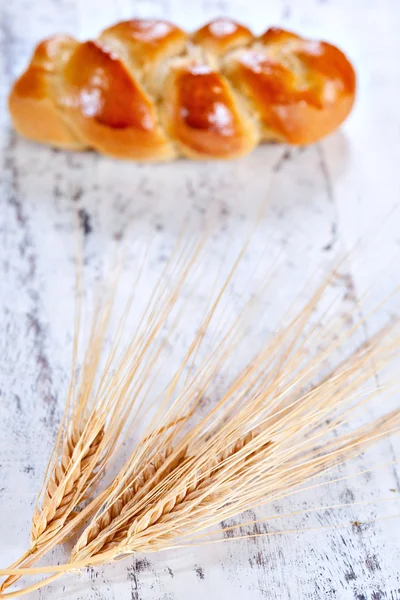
[320,199]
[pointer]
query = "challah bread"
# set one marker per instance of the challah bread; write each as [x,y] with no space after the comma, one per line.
[146,90]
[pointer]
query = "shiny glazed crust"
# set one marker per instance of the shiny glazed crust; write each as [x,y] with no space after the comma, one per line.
[146,90]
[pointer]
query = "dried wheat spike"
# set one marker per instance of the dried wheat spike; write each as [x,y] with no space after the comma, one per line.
[100,535]
[102,405]
[269,430]
[222,477]
[111,529]
[194,492]
[72,478]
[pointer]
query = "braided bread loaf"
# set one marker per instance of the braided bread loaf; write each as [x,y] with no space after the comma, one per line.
[146,90]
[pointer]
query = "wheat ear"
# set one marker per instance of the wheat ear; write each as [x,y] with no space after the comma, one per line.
[265,462]
[105,532]
[101,405]
[63,487]
[98,536]
[266,434]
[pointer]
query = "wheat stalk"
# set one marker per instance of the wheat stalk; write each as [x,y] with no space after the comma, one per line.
[63,486]
[105,401]
[98,536]
[268,433]
[222,477]
[105,533]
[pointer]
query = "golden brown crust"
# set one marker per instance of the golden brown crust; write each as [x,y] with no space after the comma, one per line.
[147,41]
[31,101]
[108,108]
[302,90]
[204,117]
[148,91]
[47,53]
[221,35]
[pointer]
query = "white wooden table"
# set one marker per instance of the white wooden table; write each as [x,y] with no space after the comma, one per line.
[320,198]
